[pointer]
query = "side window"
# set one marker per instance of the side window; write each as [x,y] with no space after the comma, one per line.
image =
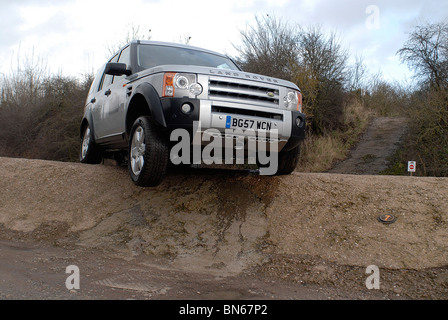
[125,57]
[96,81]
[107,78]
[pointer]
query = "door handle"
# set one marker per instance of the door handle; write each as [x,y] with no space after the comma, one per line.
[108,92]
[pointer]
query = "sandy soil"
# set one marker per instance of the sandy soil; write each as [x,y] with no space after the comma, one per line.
[300,236]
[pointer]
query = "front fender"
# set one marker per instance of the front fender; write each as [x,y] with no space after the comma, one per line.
[152,99]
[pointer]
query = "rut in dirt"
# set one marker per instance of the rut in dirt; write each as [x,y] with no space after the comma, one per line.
[380,141]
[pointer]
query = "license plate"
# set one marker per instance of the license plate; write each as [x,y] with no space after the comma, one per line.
[235,122]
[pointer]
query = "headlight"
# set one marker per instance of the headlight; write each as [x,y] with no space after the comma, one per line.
[180,85]
[293,100]
[181,81]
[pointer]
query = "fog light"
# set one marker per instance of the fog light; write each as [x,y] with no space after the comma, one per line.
[196,89]
[298,121]
[186,108]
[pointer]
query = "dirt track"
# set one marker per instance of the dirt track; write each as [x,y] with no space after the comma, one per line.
[380,141]
[313,235]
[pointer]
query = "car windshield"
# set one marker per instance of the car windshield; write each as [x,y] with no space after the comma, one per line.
[155,55]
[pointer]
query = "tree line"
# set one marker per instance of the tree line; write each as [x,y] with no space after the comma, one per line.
[426,53]
[40,113]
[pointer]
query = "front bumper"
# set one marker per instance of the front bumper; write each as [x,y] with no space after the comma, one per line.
[211,118]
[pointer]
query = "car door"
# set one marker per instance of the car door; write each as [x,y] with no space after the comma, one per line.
[114,104]
[101,104]
[93,95]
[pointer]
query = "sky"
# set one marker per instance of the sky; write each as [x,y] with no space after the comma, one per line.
[73,37]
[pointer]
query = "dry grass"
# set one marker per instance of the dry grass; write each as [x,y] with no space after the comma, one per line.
[320,153]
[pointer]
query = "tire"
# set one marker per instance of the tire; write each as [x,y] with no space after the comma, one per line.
[89,152]
[287,161]
[148,154]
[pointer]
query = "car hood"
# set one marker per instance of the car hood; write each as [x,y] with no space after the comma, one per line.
[218,72]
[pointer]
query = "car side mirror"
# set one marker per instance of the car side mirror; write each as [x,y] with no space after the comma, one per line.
[117,69]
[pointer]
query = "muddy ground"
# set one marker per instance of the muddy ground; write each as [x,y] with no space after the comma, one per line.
[219,234]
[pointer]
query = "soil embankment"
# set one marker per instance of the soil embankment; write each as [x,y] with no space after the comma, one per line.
[313,228]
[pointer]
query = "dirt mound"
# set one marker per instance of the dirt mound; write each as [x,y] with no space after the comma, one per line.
[202,220]
[225,221]
[335,217]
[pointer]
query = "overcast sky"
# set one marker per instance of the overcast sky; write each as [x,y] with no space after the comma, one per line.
[72,36]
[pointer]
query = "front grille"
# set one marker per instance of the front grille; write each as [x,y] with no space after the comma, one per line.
[226,90]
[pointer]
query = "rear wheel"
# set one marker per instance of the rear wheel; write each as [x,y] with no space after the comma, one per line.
[148,154]
[90,152]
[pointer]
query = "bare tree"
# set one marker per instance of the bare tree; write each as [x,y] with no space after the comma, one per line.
[269,47]
[324,55]
[426,51]
[185,39]
[312,59]
[133,33]
[322,74]
[357,75]
[22,87]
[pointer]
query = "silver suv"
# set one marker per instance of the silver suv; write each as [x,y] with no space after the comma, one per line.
[150,90]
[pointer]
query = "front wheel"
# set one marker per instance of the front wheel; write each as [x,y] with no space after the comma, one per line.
[148,154]
[287,160]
